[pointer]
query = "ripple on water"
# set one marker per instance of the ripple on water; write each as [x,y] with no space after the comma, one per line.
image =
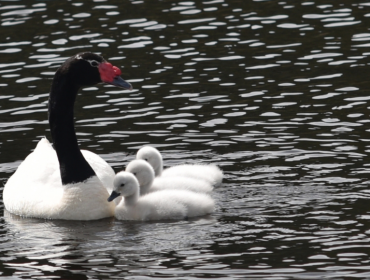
[275,94]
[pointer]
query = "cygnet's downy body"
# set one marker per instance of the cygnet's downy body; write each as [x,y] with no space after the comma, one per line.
[160,205]
[207,172]
[144,173]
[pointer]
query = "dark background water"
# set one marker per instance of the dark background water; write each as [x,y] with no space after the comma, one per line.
[275,92]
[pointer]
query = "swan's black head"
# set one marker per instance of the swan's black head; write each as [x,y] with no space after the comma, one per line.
[88,69]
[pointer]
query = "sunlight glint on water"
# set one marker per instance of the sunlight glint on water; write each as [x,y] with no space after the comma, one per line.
[274,92]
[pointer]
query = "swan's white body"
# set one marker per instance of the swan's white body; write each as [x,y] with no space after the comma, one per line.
[144,173]
[160,205]
[209,173]
[36,190]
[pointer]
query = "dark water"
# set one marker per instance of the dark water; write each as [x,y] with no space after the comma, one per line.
[275,92]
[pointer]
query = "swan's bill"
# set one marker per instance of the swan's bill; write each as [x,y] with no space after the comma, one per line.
[119,82]
[111,75]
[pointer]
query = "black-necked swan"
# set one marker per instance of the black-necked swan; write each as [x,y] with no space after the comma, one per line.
[208,172]
[63,182]
[160,205]
[144,173]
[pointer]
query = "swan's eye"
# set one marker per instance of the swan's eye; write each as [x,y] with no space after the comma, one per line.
[93,63]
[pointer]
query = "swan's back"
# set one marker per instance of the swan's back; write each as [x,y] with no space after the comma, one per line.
[40,168]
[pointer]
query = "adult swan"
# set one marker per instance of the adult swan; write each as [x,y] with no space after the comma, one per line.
[66,183]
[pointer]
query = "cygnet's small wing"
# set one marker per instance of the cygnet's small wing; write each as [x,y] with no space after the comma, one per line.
[181,183]
[210,173]
[197,204]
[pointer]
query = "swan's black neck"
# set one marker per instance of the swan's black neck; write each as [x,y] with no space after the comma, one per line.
[73,166]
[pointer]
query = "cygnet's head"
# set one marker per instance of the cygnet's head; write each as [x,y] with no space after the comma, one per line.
[124,184]
[143,172]
[153,156]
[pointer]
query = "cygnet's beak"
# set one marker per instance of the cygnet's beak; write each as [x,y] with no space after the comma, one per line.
[113,195]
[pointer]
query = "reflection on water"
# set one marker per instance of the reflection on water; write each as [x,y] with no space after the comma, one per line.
[275,92]
[50,246]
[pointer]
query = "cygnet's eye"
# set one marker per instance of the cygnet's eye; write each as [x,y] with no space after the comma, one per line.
[122,185]
[146,159]
[134,173]
[93,63]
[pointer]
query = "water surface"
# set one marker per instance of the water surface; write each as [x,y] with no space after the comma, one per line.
[274,92]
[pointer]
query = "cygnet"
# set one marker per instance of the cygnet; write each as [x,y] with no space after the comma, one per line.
[210,173]
[144,173]
[161,205]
